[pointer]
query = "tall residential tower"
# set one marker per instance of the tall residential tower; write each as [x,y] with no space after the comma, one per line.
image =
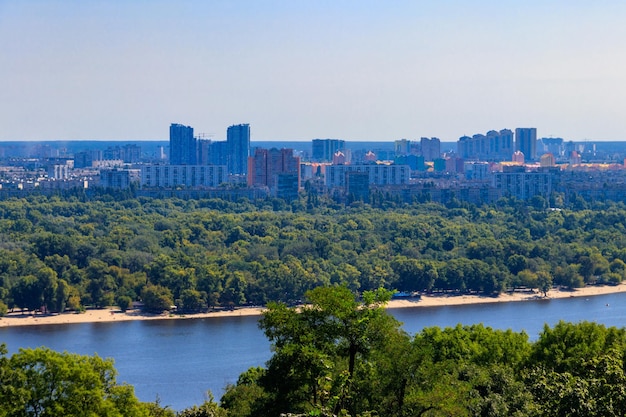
[526,142]
[266,164]
[325,149]
[431,148]
[182,145]
[238,143]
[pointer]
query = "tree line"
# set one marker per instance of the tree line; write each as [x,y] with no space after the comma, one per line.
[344,355]
[59,254]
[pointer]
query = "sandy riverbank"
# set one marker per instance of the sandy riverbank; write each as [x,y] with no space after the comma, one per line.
[112,315]
[450,300]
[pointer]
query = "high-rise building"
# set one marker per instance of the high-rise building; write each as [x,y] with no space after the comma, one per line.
[219,153]
[554,146]
[494,146]
[431,148]
[266,164]
[526,142]
[238,143]
[402,147]
[85,159]
[505,144]
[358,185]
[128,153]
[131,153]
[205,147]
[182,145]
[325,149]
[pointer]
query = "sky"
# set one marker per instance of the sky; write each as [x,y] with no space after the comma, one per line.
[296,70]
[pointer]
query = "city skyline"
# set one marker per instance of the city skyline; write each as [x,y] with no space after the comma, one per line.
[296,71]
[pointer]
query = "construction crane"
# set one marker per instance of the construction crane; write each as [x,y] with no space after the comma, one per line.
[206,135]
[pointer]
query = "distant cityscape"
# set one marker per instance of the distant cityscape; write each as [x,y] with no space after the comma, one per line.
[482,168]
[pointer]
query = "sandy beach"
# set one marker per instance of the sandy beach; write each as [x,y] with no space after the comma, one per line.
[113,315]
[450,300]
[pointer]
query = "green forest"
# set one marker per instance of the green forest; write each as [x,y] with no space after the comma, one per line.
[59,254]
[340,355]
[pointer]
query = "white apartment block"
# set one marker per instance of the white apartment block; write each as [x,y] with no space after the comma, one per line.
[192,176]
[379,174]
[59,171]
[523,185]
[477,171]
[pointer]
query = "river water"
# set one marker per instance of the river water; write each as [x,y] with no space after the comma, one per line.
[177,361]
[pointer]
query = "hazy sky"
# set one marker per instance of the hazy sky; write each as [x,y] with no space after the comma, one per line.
[298,69]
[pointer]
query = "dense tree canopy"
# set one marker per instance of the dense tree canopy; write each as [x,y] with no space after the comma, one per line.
[89,252]
[44,383]
[305,370]
[340,354]
[572,369]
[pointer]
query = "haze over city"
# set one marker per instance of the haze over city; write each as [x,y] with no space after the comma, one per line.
[354,70]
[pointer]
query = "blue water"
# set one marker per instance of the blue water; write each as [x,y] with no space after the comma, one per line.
[528,316]
[177,361]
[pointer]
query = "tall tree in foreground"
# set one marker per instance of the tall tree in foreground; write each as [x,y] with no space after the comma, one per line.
[320,348]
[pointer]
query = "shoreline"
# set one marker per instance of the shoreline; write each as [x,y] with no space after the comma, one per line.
[517,296]
[110,315]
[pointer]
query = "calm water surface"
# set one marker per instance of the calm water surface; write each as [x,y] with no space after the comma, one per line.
[178,361]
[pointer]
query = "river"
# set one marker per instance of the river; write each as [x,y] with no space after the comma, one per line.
[177,361]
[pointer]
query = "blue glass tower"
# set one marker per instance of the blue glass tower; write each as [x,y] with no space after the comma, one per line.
[182,145]
[238,143]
